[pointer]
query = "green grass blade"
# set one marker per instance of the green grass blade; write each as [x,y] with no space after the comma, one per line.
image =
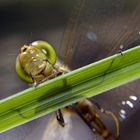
[85,82]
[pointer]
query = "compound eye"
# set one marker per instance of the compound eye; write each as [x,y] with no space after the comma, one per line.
[23,49]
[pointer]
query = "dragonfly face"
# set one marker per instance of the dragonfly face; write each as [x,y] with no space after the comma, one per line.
[34,63]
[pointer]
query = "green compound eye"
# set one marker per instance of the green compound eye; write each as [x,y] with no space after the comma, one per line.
[43,49]
[42,45]
[21,73]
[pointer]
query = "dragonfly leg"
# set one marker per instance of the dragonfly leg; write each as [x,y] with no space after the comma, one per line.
[121,50]
[35,84]
[107,112]
[60,118]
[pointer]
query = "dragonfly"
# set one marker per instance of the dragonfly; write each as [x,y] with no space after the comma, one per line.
[85,34]
[37,63]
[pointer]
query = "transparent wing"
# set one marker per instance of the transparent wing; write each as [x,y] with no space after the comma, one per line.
[98,29]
